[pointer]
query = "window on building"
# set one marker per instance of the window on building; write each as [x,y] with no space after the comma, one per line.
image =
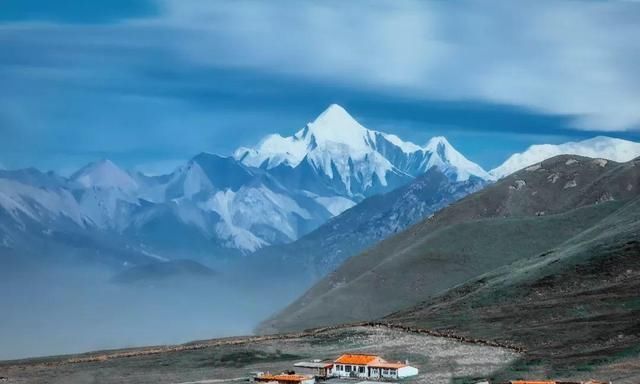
[361,369]
[347,368]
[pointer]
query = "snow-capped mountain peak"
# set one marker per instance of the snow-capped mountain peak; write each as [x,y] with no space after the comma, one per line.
[598,147]
[332,128]
[335,125]
[361,161]
[104,174]
[437,143]
[272,151]
[446,158]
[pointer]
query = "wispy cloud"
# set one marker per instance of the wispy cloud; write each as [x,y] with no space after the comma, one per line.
[563,57]
[165,79]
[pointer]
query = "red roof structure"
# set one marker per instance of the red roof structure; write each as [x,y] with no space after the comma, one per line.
[373,361]
[357,359]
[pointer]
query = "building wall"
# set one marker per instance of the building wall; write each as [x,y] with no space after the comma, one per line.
[374,373]
[407,371]
[353,370]
[389,373]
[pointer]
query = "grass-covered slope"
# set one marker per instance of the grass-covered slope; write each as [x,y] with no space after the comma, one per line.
[523,215]
[575,305]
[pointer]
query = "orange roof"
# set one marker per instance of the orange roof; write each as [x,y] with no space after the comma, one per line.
[357,359]
[291,378]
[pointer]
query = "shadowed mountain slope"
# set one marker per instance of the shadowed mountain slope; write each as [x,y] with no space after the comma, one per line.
[363,225]
[573,306]
[523,215]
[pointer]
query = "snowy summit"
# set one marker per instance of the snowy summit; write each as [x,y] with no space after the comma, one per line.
[336,143]
[334,126]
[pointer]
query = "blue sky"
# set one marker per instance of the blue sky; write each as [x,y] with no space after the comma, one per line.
[149,83]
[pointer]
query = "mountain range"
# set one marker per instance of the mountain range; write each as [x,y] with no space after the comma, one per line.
[271,194]
[334,181]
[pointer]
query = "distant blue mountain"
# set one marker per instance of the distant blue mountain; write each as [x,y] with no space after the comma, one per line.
[216,206]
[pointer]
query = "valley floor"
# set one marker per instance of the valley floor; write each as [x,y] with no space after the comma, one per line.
[439,359]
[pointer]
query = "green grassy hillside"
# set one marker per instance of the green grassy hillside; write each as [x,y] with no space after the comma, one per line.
[524,215]
[572,307]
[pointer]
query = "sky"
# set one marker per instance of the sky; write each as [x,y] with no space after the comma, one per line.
[151,83]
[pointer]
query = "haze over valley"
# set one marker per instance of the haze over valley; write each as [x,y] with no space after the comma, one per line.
[185,255]
[292,192]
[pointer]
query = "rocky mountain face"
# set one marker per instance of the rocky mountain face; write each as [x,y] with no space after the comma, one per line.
[531,212]
[375,218]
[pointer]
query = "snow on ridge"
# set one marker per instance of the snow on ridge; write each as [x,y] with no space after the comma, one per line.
[240,211]
[17,197]
[598,147]
[446,158]
[331,127]
[335,139]
[195,180]
[233,235]
[406,146]
[333,142]
[104,174]
[335,204]
[275,150]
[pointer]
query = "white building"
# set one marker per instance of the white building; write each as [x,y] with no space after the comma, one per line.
[370,367]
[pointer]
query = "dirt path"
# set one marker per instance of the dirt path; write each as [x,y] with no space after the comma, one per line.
[212,381]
